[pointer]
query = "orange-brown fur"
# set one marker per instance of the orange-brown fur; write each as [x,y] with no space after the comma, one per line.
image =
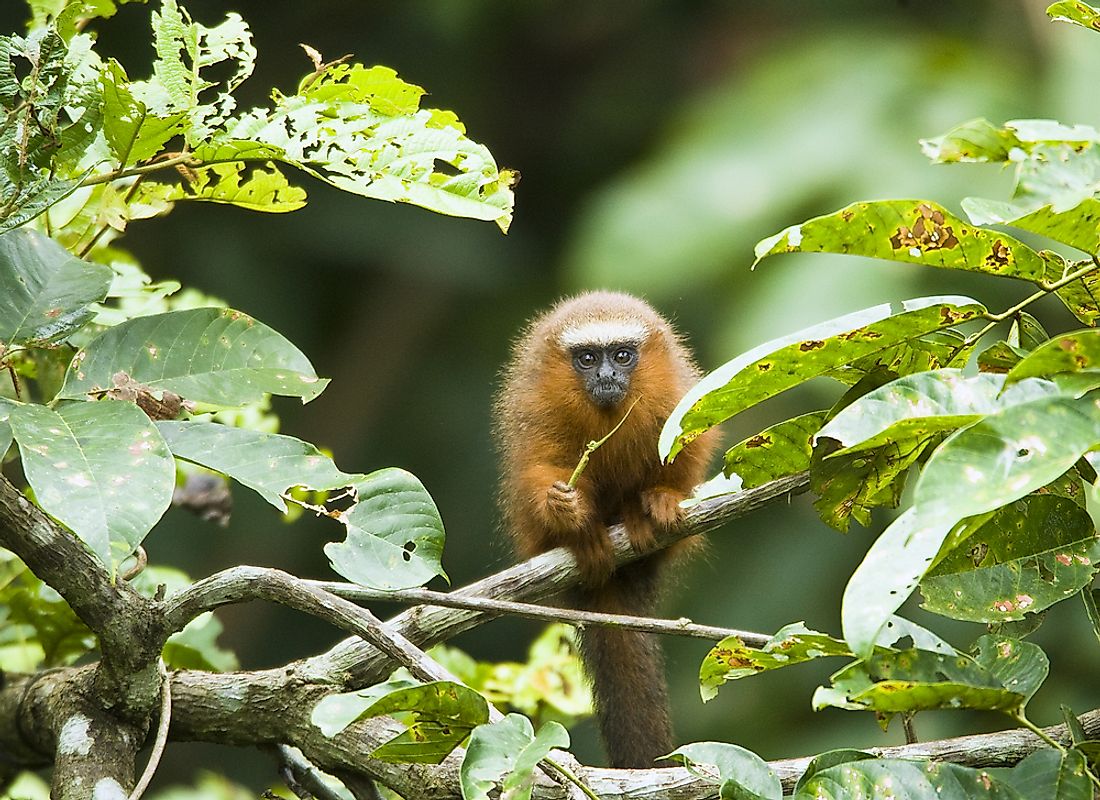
[544,419]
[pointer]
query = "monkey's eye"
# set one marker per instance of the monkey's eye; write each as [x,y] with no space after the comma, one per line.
[586,359]
[624,356]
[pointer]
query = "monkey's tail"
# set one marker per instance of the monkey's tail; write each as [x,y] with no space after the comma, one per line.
[627,669]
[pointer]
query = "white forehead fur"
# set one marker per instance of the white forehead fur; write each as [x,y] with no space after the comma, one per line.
[604,332]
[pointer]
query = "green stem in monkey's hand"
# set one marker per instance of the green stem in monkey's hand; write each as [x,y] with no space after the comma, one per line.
[592,447]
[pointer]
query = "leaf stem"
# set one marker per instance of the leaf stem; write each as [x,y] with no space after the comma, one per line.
[1044,290]
[1031,726]
[107,177]
[569,776]
[593,446]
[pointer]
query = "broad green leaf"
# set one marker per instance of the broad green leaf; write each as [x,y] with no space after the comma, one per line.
[738,773]
[826,760]
[361,130]
[1076,12]
[102,469]
[258,190]
[1020,666]
[45,293]
[267,463]
[919,780]
[914,231]
[782,449]
[974,141]
[1027,557]
[1050,774]
[917,407]
[936,350]
[216,356]
[916,680]
[1081,296]
[440,715]
[1077,224]
[133,133]
[731,659]
[1073,352]
[26,200]
[780,364]
[395,534]
[1006,455]
[505,754]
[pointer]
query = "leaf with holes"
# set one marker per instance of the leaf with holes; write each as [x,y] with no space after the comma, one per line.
[782,449]
[913,231]
[1039,551]
[258,190]
[267,463]
[102,469]
[215,356]
[45,293]
[778,365]
[395,535]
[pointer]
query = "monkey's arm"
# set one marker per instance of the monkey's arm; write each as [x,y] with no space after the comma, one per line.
[549,513]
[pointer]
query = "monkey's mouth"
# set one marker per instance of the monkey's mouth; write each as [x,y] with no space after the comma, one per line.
[606,393]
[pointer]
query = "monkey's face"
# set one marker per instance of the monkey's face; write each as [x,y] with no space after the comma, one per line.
[605,370]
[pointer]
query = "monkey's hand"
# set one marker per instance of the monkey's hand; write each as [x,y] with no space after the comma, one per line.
[567,506]
[662,505]
[595,556]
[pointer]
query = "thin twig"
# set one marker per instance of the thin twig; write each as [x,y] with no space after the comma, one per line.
[305,775]
[593,446]
[162,733]
[428,597]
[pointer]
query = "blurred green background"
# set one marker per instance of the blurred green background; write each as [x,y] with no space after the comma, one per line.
[657,142]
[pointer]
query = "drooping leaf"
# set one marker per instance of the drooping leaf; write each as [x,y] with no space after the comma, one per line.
[731,659]
[45,293]
[216,356]
[101,468]
[505,754]
[441,715]
[914,231]
[782,449]
[257,190]
[269,464]
[922,780]
[778,365]
[1073,352]
[738,773]
[1028,556]
[395,534]
[1020,666]
[907,681]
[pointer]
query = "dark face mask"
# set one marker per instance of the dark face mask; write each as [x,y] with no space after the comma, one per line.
[606,371]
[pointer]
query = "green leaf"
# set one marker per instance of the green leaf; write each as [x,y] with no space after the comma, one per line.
[915,408]
[826,760]
[1073,352]
[260,190]
[907,681]
[505,754]
[919,780]
[1051,774]
[26,200]
[102,469]
[782,363]
[395,534]
[1020,666]
[1007,455]
[1076,12]
[208,355]
[1079,296]
[440,715]
[741,774]
[782,449]
[133,133]
[361,130]
[196,647]
[1091,599]
[731,659]
[913,231]
[975,141]
[267,463]
[1030,555]
[45,293]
